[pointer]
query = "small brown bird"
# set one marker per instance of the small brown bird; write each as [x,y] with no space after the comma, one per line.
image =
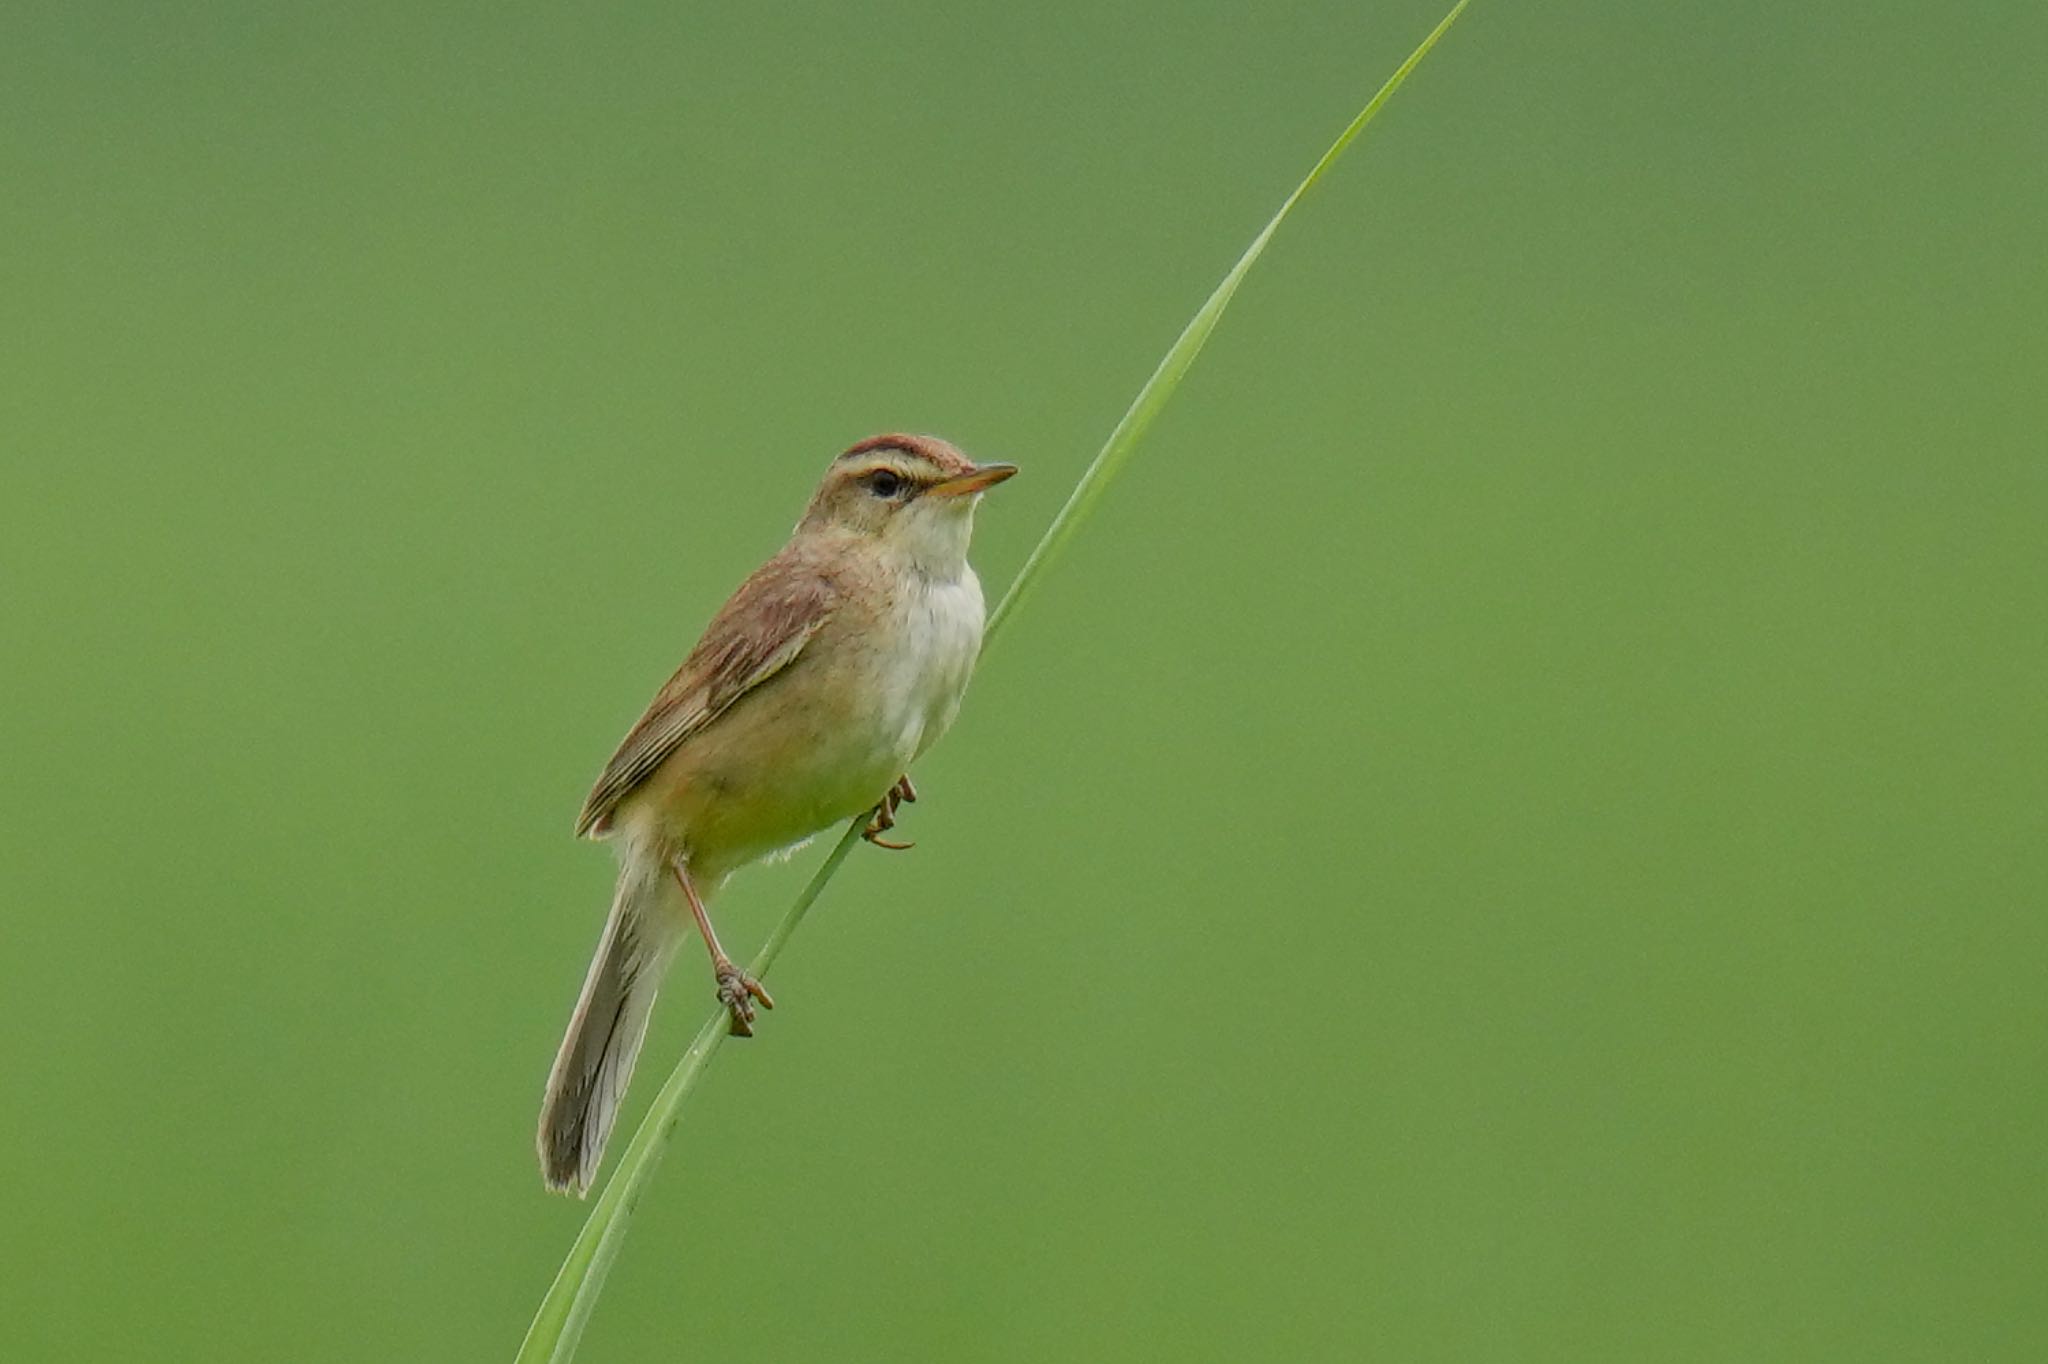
[834,666]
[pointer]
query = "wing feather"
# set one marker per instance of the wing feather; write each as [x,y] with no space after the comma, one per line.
[755,636]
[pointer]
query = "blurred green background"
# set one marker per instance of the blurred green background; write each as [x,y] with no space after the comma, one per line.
[1518,833]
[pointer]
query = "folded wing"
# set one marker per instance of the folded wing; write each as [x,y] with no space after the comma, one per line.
[757,634]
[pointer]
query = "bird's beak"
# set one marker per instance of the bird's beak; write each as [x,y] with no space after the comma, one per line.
[980,477]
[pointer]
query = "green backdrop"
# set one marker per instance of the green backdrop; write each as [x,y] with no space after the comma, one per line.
[1516,835]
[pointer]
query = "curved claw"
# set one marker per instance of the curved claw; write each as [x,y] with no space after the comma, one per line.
[884,817]
[737,991]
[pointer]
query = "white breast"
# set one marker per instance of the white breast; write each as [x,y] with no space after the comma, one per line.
[940,622]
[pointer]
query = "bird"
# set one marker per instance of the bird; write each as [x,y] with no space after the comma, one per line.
[829,671]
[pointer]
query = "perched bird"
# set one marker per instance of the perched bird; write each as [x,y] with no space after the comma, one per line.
[834,666]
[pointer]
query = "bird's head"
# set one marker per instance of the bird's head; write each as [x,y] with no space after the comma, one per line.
[914,493]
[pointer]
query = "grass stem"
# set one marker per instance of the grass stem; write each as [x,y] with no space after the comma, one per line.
[558,1324]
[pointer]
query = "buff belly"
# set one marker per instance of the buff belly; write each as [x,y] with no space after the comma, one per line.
[797,756]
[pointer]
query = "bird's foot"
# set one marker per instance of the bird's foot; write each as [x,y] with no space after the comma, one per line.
[737,991]
[884,818]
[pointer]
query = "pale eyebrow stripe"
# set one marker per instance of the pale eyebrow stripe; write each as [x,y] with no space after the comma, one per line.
[904,471]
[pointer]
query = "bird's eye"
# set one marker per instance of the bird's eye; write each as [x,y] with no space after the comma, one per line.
[885,483]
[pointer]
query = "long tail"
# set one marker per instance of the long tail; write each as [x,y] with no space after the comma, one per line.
[610,1022]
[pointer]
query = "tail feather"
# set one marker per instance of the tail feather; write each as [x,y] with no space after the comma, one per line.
[590,1073]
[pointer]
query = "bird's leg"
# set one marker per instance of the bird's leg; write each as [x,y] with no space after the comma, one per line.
[884,818]
[737,990]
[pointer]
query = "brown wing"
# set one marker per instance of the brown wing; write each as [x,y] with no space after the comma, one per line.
[754,636]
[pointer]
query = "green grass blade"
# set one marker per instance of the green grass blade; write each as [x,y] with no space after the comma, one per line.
[1174,367]
[565,1310]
